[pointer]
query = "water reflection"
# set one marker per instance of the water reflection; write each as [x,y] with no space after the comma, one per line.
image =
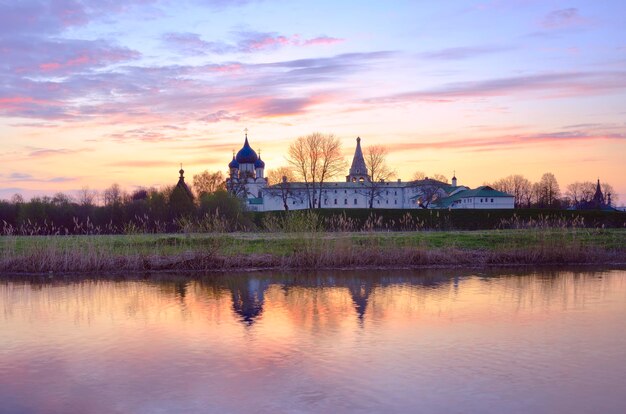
[376,341]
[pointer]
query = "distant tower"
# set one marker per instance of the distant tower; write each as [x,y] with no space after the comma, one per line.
[246,158]
[181,198]
[598,198]
[454,179]
[233,167]
[259,166]
[358,170]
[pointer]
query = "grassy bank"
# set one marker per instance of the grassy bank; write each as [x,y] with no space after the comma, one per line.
[302,250]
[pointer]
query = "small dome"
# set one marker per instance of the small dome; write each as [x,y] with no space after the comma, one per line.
[246,155]
[259,163]
[233,163]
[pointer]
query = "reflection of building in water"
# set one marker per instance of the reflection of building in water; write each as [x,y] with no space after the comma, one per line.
[362,286]
[248,297]
[360,291]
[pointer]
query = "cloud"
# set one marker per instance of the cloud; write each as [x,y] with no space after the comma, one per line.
[23,177]
[220,115]
[178,93]
[143,135]
[187,43]
[191,44]
[550,85]
[142,163]
[467,52]
[563,18]
[322,40]
[508,141]
[47,152]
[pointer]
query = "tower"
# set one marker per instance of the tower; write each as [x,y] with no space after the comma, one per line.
[259,166]
[358,170]
[454,179]
[598,197]
[246,158]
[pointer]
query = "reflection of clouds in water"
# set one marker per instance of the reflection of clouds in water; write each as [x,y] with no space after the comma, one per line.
[103,346]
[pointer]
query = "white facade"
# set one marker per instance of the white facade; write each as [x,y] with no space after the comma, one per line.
[246,179]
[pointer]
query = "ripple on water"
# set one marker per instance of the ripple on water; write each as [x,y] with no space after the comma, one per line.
[392,341]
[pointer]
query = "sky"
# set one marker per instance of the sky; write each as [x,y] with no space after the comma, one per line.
[97,92]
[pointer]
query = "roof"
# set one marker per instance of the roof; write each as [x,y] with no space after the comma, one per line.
[183,186]
[259,163]
[255,200]
[358,162]
[246,154]
[233,163]
[482,191]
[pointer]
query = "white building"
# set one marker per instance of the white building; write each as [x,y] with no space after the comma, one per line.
[246,179]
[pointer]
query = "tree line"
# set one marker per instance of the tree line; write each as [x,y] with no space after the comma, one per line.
[312,160]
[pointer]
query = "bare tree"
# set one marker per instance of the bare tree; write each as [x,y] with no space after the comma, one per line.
[517,185]
[418,175]
[376,163]
[316,158]
[281,180]
[207,182]
[429,192]
[276,176]
[606,190]
[17,198]
[550,190]
[440,177]
[86,196]
[113,195]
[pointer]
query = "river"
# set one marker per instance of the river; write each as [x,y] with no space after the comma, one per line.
[386,341]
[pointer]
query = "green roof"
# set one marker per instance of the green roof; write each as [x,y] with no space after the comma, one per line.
[482,191]
[255,201]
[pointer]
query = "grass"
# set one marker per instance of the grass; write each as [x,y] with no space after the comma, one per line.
[310,249]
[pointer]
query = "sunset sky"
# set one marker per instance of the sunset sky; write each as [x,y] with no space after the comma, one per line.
[94,92]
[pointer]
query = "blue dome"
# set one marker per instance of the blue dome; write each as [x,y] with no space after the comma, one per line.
[233,163]
[246,155]
[259,163]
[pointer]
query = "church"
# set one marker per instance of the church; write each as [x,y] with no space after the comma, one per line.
[247,180]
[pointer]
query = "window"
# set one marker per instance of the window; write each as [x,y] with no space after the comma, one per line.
[335,201]
[345,191]
[395,201]
[326,201]
[345,201]
[377,201]
[294,202]
[492,200]
[355,201]
[481,200]
[386,201]
[395,192]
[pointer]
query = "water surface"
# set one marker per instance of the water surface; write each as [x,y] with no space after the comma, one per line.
[332,342]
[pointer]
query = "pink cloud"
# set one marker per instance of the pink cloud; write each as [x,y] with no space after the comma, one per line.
[508,141]
[322,40]
[548,85]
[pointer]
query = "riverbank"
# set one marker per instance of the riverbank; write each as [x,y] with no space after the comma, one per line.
[310,250]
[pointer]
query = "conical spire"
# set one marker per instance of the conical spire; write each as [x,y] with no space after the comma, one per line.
[358,167]
[598,197]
